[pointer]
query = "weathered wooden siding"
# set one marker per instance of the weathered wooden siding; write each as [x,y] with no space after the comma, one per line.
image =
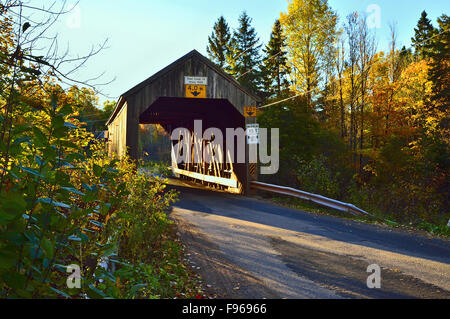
[118,133]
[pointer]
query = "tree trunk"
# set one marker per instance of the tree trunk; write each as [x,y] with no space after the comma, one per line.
[341,95]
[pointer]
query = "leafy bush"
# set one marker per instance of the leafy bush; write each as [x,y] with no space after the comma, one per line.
[64,201]
[315,177]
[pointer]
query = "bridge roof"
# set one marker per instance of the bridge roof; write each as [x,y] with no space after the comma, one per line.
[173,68]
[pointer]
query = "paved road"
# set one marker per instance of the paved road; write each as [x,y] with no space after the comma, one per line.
[248,248]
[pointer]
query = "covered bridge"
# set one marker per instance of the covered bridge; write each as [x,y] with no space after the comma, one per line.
[191,88]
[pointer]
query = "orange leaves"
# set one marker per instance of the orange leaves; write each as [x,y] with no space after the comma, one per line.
[399,104]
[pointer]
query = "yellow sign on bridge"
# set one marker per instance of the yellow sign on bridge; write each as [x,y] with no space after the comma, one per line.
[250,111]
[196,91]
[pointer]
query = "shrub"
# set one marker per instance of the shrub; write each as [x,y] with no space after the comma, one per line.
[315,177]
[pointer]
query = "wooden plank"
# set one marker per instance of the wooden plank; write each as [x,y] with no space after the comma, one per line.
[208,178]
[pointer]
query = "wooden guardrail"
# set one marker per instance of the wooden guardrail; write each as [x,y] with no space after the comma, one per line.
[318,199]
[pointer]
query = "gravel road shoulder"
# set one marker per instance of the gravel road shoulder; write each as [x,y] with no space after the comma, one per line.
[222,278]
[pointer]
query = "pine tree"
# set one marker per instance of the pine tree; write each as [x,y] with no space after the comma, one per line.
[275,69]
[405,57]
[440,64]
[423,32]
[219,42]
[244,58]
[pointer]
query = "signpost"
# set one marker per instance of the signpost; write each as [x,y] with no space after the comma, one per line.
[195,87]
[252,132]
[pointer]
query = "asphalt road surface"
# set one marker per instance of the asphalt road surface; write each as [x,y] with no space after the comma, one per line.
[248,248]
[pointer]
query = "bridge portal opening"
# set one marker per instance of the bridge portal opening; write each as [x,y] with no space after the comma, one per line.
[224,171]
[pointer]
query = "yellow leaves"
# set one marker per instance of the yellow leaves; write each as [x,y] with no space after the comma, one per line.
[401,104]
[308,27]
[369,168]
[6,34]
[414,78]
[415,92]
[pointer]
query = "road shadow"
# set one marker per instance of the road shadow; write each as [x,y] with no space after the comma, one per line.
[334,228]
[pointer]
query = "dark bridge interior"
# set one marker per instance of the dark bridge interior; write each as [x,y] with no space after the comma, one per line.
[172,113]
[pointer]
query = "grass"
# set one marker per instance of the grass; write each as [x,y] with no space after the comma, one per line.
[175,276]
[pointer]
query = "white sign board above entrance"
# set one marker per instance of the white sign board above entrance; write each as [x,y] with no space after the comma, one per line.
[196,80]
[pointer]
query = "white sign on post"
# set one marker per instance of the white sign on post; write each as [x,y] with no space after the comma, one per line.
[252,132]
[195,80]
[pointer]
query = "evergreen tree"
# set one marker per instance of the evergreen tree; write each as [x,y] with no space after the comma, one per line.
[423,32]
[244,56]
[440,64]
[405,57]
[275,62]
[219,42]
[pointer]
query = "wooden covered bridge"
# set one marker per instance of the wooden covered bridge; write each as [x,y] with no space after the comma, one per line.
[191,88]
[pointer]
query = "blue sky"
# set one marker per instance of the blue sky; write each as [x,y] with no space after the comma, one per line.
[145,36]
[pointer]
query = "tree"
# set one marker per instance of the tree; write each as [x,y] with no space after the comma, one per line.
[85,101]
[423,32]
[219,42]
[405,57]
[275,62]
[366,53]
[440,65]
[244,57]
[108,108]
[340,67]
[351,28]
[308,25]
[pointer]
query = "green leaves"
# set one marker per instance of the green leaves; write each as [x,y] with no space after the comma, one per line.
[60,203]
[65,110]
[74,238]
[70,125]
[7,257]
[23,139]
[12,207]
[93,292]
[47,247]
[97,170]
[59,127]
[110,250]
[39,138]
[31,171]
[134,290]
[73,190]
[61,293]
[96,223]
[14,280]
[50,201]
